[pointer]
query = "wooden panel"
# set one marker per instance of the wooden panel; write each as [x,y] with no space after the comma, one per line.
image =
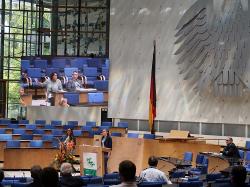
[27,99]
[28,157]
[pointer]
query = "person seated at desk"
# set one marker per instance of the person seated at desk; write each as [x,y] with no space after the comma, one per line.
[231,150]
[74,83]
[152,174]
[127,170]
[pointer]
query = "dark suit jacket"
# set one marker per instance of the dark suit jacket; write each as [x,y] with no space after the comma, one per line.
[231,151]
[70,181]
[108,142]
[35,184]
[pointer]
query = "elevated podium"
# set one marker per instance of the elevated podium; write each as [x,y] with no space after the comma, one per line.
[92,160]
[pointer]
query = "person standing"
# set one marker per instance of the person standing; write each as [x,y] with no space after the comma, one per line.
[107,143]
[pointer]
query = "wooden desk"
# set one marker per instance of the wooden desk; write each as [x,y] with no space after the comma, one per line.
[28,157]
[83,97]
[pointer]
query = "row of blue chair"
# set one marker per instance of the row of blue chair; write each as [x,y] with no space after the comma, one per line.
[17,143]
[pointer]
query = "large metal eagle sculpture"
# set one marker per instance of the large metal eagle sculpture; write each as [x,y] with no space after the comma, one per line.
[213,38]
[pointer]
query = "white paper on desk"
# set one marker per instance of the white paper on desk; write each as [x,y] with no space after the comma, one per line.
[85,89]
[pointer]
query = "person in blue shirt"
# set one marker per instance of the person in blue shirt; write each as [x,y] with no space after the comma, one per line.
[152,174]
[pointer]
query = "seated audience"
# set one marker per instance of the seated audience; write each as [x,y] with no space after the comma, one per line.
[50,177]
[1,177]
[36,172]
[127,170]
[74,83]
[152,174]
[238,177]
[67,180]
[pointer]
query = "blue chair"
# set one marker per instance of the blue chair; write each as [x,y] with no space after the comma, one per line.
[2,131]
[77,133]
[56,122]
[117,134]
[248,145]
[107,123]
[5,121]
[26,137]
[49,71]
[47,137]
[133,135]
[91,123]
[5,137]
[242,154]
[13,144]
[191,184]
[32,127]
[149,136]
[177,174]
[86,128]
[95,97]
[55,143]
[78,62]
[36,144]
[247,159]
[69,71]
[13,126]
[34,72]
[23,121]
[40,122]
[90,71]
[105,72]
[66,127]
[212,177]
[199,159]
[40,63]
[25,64]
[123,124]
[111,179]
[150,184]
[72,123]
[101,85]
[188,156]
[49,127]
[38,131]
[59,63]
[19,131]
[73,98]
[57,132]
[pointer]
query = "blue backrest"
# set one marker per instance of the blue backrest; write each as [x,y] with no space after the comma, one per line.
[248,145]
[57,132]
[2,131]
[26,137]
[73,98]
[107,123]
[34,72]
[133,135]
[188,156]
[247,156]
[23,121]
[66,127]
[241,153]
[105,72]
[59,63]
[78,62]
[101,85]
[40,122]
[117,134]
[191,184]
[56,122]
[13,126]
[73,123]
[36,144]
[31,126]
[38,131]
[91,123]
[40,63]
[199,159]
[90,71]
[149,136]
[178,174]
[213,176]
[87,128]
[95,97]
[49,126]
[13,144]
[18,131]
[77,132]
[69,71]
[5,121]
[4,137]
[123,124]
[49,71]
[47,137]
[25,64]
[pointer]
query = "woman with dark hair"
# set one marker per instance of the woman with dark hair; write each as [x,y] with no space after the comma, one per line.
[69,140]
[107,143]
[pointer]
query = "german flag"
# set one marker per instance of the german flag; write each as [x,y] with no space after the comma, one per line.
[152,101]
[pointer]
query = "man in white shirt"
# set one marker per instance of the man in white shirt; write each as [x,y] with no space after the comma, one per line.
[152,174]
